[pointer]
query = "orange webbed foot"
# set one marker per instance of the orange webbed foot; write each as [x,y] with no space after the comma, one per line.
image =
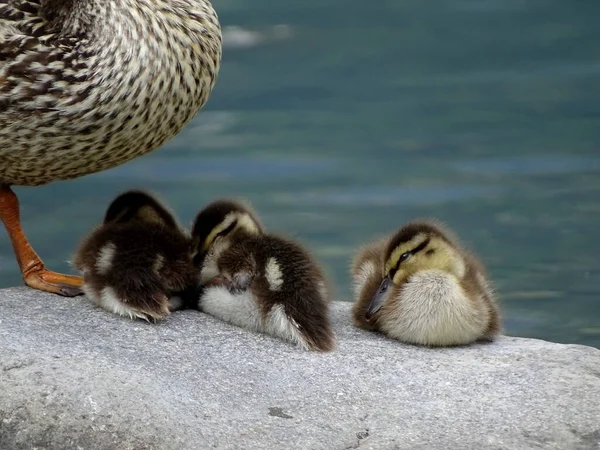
[57,283]
[32,268]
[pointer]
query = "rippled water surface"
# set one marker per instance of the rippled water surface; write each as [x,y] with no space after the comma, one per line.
[352,119]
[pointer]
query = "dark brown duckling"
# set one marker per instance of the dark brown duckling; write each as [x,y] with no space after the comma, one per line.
[137,263]
[420,286]
[260,281]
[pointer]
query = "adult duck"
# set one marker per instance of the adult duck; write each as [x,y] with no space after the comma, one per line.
[86,85]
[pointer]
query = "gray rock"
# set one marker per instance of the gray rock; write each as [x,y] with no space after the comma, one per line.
[75,376]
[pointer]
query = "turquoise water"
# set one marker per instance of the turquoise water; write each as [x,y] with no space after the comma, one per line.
[485,114]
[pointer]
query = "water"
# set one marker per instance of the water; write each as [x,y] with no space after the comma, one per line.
[348,122]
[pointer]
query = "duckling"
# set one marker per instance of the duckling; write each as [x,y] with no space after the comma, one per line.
[259,281]
[421,287]
[137,263]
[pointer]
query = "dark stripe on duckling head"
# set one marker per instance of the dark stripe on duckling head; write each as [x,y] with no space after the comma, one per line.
[211,216]
[409,231]
[214,214]
[420,247]
[414,228]
[227,230]
[412,252]
[138,205]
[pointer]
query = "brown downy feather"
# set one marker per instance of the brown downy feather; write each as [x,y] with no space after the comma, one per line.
[300,293]
[367,272]
[140,254]
[248,258]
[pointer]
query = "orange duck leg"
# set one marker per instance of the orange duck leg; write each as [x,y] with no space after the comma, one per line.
[32,268]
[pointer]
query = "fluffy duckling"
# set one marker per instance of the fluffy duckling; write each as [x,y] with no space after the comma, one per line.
[422,287]
[137,263]
[259,281]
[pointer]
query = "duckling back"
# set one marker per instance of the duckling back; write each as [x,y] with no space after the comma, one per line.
[257,280]
[135,261]
[275,287]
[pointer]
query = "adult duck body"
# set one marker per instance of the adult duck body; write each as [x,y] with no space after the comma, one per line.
[87,85]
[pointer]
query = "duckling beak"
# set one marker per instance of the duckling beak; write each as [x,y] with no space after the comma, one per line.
[378,298]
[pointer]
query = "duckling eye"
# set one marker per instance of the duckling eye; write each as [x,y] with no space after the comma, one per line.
[404,256]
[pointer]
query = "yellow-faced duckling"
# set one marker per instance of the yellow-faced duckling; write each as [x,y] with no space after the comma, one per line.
[137,263]
[421,287]
[260,281]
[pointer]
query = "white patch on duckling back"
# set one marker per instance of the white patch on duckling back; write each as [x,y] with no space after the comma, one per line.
[105,258]
[434,309]
[237,309]
[273,274]
[364,273]
[110,301]
[280,325]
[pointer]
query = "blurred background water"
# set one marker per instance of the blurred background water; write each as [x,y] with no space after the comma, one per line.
[340,120]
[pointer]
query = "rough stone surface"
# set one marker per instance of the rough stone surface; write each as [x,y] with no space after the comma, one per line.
[75,376]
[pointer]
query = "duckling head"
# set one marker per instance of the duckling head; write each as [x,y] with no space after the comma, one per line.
[416,247]
[218,223]
[138,206]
